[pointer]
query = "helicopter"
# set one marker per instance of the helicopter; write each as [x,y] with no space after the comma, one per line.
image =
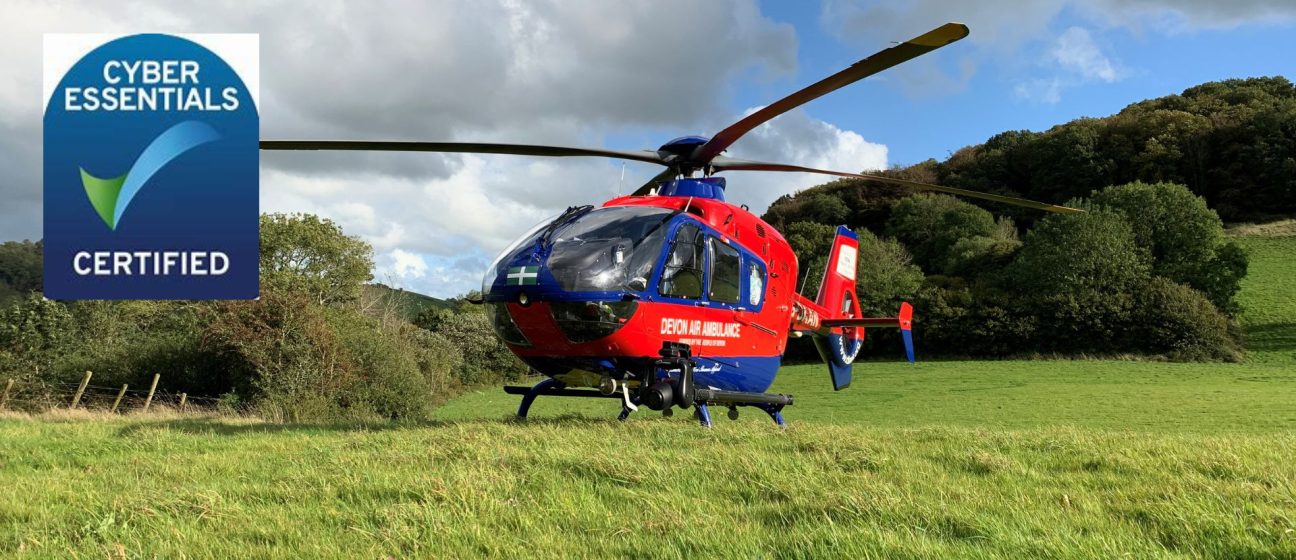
[671,296]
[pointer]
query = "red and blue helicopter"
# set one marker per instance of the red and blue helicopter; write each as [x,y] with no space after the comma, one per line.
[671,296]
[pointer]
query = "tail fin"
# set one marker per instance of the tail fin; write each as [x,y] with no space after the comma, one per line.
[844,323]
[837,296]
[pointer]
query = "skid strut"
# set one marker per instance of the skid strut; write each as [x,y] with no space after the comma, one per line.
[661,393]
[550,387]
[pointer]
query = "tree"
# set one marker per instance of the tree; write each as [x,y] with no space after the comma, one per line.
[310,255]
[1184,237]
[930,225]
[884,275]
[1077,274]
[21,268]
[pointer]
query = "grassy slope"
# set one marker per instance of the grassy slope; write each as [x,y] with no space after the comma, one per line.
[1269,295]
[1008,459]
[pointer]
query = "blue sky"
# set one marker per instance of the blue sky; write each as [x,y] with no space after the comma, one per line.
[630,75]
[1011,90]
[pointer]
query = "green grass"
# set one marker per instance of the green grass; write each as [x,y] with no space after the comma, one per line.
[1103,395]
[573,488]
[1011,459]
[1269,298]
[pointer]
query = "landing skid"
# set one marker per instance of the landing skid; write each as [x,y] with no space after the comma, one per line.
[771,404]
[667,384]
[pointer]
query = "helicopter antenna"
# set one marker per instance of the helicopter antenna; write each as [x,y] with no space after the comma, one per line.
[687,204]
[621,185]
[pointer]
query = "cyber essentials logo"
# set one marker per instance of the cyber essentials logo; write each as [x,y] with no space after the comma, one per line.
[151,166]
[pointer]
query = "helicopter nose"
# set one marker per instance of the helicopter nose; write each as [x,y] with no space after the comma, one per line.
[585,321]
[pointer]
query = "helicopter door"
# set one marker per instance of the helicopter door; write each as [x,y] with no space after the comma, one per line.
[682,273]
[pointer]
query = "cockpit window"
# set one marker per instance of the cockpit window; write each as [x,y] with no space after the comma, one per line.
[755,284]
[726,272]
[682,275]
[527,240]
[608,249]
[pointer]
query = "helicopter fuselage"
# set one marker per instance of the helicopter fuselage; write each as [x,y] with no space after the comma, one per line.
[596,293]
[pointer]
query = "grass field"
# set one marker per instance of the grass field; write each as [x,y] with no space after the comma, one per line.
[977,459]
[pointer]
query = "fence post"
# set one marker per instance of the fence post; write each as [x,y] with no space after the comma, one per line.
[184,398]
[4,398]
[149,400]
[80,390]
[120,394]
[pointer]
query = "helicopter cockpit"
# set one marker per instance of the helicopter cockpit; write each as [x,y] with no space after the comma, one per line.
[608,249]
[587,249]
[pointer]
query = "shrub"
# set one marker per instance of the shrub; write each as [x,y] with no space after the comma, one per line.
[486,359]
[33,333]
[284,346]
[387,378]
[1077,274]
[951,317]
[1181,323]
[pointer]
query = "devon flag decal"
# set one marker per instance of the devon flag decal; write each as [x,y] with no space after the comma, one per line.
[523,275]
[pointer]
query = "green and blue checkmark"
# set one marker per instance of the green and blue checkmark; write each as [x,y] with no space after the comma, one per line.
[111,197]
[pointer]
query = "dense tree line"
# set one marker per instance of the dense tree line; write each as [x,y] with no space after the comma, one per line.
[21,269]
[1232,143]
[316,346]
[1144,270]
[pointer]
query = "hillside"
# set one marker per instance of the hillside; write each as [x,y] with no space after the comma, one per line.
[1232,142]
[406,303]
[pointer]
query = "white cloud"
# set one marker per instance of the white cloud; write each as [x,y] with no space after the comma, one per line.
[405,265]
[797,138]
[1075,59]
[1186,16]
[1040,90]
[1016,35]
[570,73]
[1076,51]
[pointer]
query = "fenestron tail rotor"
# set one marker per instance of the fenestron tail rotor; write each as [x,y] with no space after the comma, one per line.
[690,154]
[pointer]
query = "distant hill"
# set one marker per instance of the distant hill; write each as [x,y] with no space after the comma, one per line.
[408,304]
[1232,142]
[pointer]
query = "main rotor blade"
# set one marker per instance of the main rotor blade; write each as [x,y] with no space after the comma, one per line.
[902,52]
[722,163]
[647,156]
[653,183]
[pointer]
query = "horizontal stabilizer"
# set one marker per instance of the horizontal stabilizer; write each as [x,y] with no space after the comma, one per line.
[904,321]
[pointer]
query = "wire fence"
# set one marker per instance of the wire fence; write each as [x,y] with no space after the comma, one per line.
[24,396]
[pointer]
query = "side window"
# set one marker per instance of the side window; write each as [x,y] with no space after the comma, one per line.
[755,284]
[682,275]
[726,272]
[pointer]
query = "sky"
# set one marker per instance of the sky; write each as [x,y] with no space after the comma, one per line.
[629,75]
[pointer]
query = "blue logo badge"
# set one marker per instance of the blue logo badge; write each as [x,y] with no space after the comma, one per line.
[151,171]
